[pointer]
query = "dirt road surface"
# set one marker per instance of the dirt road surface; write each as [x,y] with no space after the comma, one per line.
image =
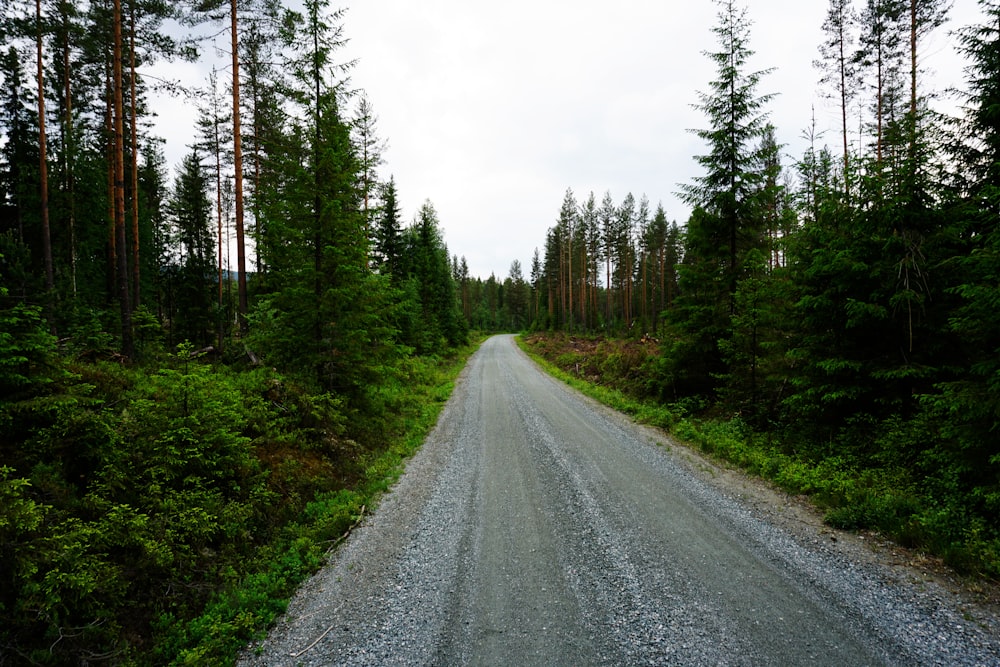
[538,528]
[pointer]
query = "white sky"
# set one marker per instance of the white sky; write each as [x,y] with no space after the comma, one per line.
[491,110]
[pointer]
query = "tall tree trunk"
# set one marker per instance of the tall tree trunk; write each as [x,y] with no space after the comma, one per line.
[43,174]
[124,297]
[880,92]
[241,257]
[569,272]
[843,107]
[109,133]
[255,87]
[644,311]
[583,280]
[607,313]
[69,144]
[133,103]
[217,149]
[913,63]
[662,257]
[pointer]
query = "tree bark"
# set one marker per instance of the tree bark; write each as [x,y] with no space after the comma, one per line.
[124,297]
[134,159]
[43,174]
[241,259]
[69,142]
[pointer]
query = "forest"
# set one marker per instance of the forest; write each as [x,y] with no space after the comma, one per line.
[185,433]
[832,324]
[205,377]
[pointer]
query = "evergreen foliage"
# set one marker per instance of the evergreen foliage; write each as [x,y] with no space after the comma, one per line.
[166,475]
[170,471]
[845,315]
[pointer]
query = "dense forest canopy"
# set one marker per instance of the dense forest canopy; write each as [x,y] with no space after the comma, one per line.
[198,359]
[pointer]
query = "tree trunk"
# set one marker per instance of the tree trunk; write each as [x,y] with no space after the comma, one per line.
[913,62]
[217,149]
[569,272]
[43,175]
[134,159]
[125,303]
[241,259]
[69,142]
[843,107]
[109,132]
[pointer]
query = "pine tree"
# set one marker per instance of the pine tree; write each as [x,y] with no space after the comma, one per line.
[241,262]
[565,229]
[587,229]
[536,289]
[880,54]
[43,175]
[118,159]
[839,68]
[606,216]
[264,80]
[18,186]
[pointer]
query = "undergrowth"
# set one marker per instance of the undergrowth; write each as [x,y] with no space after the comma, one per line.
[165,515]
[256,598]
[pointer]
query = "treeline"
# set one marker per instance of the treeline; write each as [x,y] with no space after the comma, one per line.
[844,306]
[183,432]
[608,267]
[282,172]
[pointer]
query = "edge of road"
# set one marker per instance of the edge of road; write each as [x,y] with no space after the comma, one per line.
[977,599]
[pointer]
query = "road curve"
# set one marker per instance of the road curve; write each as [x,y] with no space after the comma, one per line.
[536,528]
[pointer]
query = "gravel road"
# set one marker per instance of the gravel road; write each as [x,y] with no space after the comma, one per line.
[537,528]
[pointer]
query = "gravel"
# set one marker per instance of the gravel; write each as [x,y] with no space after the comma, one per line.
[536,527]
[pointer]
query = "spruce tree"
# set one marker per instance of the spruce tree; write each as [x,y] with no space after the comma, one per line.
[388,243]
[726,222]
[734,110]
[968,406]
[192,309]
[839,68]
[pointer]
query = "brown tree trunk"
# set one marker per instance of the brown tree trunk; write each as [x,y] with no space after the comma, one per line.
[583,280]
[913,60]
[109,132]
[843,108]
[43,174]
[569,272]
[134,159]
[69,142]
[241,259]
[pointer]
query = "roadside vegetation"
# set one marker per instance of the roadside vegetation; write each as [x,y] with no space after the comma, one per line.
[164,513]
[922,507]
[206,377]
[833,323]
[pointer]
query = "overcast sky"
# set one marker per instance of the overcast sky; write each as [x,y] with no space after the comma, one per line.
[492,110]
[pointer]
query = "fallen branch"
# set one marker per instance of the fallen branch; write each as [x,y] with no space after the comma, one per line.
[317,640]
